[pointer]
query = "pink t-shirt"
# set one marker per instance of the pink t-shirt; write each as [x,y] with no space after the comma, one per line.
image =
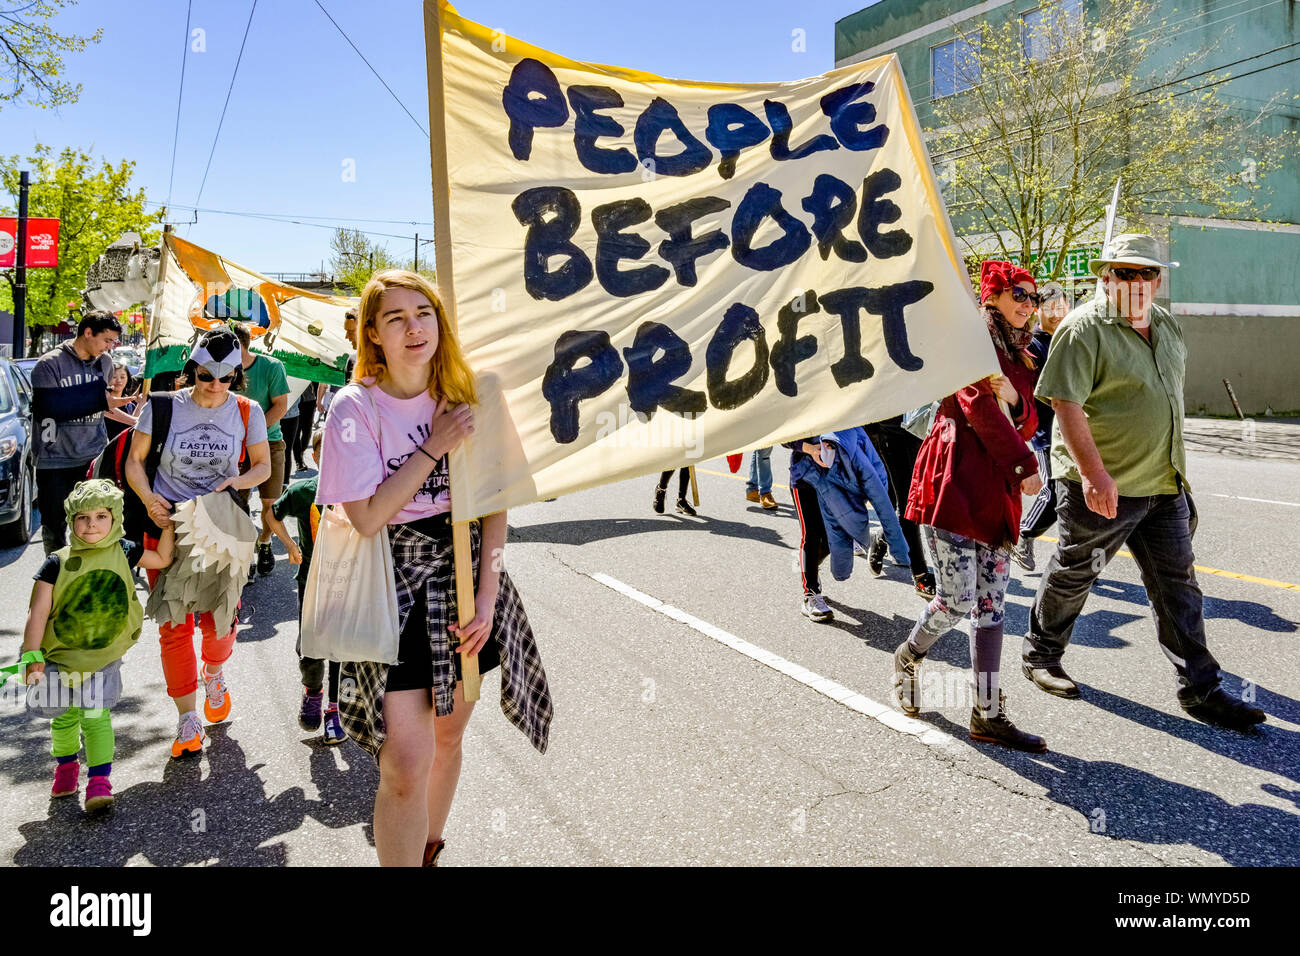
[359,452]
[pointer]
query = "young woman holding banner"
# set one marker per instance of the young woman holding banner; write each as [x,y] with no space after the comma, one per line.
[385,461]
[971,470]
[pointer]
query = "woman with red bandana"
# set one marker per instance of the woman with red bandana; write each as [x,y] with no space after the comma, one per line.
[966,486]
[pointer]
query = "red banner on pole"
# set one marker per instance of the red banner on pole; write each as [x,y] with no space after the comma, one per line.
[42,242]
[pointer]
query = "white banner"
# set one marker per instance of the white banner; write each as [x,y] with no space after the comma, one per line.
[201,289]
[647,272]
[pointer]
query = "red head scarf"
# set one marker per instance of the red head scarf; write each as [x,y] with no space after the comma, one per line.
[997,276]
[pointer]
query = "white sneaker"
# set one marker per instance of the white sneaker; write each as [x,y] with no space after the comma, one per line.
[190,737]
[216,707]
[858,550]
[815,608]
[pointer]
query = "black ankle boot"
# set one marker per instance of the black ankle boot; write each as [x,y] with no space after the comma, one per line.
[1000,730]
[907,691]
[683,508]
[659,500]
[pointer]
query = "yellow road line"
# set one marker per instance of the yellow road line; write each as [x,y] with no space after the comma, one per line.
[1267,582]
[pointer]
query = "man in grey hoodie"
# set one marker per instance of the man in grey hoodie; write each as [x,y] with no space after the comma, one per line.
[70,396]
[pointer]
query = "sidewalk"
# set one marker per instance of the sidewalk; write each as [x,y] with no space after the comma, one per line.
[1279,438]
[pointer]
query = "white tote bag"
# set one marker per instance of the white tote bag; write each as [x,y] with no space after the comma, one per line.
[349,607]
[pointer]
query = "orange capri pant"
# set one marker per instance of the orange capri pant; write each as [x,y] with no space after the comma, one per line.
[180,669]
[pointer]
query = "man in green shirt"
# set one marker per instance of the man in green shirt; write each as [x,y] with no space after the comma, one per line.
[265,382]
[1114,375]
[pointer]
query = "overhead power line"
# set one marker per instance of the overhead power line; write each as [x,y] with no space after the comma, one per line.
[372,69]
[217,137]
[303,221]
[290,215]
[180,93]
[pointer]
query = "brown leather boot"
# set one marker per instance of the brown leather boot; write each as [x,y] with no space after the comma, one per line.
[431,851]
[998,729]
[907,691]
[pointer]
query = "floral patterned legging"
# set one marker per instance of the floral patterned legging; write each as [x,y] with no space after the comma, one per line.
[971,579]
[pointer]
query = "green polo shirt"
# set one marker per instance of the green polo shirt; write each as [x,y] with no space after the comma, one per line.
[1131,391]
[264,381]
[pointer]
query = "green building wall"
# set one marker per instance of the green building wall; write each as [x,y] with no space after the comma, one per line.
[1237,291]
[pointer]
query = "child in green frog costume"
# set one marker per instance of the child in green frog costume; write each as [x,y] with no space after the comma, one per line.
[84,616]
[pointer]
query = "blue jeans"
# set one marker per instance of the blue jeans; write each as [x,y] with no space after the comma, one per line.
[760,471]
[1158,530]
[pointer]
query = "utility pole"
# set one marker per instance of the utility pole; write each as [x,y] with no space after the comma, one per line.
[20,269]
[417,253]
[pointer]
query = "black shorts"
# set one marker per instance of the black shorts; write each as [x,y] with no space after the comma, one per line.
[414,667]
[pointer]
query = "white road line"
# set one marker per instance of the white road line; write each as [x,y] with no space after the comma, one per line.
[1267,501]
[894,720]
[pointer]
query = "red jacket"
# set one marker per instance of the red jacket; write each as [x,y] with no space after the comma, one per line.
[968,471]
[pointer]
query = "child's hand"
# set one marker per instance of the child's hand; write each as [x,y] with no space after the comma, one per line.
[295,553]
[160,510]
[34,674]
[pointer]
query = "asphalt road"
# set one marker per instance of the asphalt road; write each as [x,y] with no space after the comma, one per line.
[701,720]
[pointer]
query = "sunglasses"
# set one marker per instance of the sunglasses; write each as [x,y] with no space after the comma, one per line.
[1148,273]
[205,376]
[1020,295]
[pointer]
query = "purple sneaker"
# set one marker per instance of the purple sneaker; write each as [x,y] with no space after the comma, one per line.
[309,712]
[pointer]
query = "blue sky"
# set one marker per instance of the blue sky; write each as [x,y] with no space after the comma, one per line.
[304,102]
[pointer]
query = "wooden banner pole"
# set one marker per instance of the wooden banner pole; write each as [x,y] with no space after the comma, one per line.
[695,489]
[460,544]
[462,556]
[152,325]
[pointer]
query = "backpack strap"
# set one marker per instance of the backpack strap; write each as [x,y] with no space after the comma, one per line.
[119,472]
[160,405]
[245,409]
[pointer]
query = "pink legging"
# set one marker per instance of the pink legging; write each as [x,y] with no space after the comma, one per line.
[180,669]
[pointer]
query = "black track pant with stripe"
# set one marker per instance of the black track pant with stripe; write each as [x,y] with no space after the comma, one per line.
[1040,515]
[813,546]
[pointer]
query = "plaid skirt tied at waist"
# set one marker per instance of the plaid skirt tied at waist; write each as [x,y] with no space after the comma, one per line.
[424,570]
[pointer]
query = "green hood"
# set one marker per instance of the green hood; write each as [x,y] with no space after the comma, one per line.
[89,496]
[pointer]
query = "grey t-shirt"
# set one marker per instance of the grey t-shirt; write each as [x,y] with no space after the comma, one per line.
[62,376]
[202,446]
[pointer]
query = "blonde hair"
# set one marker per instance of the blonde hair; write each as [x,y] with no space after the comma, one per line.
[450,376]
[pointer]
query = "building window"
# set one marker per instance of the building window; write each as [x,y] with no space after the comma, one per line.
[1042,36]
[954,66]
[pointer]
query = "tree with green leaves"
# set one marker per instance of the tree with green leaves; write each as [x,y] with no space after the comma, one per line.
[94,207]
[31,53]
[1048,112]
[354,259]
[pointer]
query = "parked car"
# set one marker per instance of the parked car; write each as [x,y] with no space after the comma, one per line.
[17,455]
[130,357]
[27,364]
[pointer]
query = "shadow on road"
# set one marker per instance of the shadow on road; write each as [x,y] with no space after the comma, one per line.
[223,818]
[1093,629]
[266,603]
[1247,612]
[1141,807]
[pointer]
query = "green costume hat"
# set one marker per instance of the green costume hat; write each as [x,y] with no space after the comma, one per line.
[90,496]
